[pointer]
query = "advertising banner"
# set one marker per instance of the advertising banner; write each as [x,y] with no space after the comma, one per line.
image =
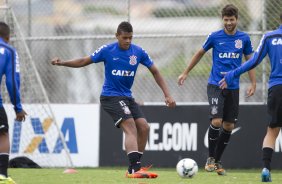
[182,133]
[38,137]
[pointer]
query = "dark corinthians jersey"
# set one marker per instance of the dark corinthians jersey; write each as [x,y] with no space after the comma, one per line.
[120,67]
[227,54]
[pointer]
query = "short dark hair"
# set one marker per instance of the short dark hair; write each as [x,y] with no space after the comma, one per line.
[4,30]
[124,27]
[229,10]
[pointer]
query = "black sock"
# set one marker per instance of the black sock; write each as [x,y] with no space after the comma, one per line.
[134,161]
[266,157]
[223,140]
[140,154]
[4,160]
[213,137]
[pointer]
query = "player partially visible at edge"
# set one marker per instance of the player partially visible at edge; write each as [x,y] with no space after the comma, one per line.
[229,45]
[271,44]
[121,60]
[9,66]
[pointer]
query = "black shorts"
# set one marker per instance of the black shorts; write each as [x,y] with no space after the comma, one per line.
[223,103]
[4,126]
[121,108]
[274,106]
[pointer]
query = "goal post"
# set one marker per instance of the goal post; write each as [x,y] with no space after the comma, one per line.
[39,137]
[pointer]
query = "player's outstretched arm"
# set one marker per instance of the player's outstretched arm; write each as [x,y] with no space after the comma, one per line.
[248,65]
[13,82]
[195,59]
[75,63]
[170,102]
[13,86]
[252,75]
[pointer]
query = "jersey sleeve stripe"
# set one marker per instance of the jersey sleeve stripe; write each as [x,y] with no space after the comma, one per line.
[13,74]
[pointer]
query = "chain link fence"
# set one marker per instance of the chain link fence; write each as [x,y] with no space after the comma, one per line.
[171,31]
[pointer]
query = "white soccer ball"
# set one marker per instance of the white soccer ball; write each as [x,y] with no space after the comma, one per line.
[187,168]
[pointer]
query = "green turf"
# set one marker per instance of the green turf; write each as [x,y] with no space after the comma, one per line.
[116,176]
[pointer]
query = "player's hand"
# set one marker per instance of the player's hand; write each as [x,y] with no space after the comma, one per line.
[251,90]
[227,80]
[181,79]
[222,84]
[20,116]
[170,102]
[56,61]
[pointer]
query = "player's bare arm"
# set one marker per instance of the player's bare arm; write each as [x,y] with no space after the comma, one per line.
[195,59]
[75,63]
[252,75]
[170,102]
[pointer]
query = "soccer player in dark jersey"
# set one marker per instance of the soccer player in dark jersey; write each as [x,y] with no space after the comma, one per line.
[121,60]
[271,44]
[229,45]
[9,66]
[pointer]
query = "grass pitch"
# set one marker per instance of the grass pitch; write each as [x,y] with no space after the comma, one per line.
[116,175]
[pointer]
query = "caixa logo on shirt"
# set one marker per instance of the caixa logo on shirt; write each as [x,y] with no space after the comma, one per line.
[229,55]
[125,73]
[277,41]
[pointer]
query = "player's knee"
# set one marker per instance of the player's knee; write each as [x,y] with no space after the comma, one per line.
[216,122]
[273,132]
[129,127]
[228,126]
[4,132]
[145,128]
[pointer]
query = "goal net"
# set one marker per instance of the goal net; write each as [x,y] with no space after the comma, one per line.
[39,137]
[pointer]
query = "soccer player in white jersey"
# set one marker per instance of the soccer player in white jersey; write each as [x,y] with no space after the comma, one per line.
[121,60]
[228,47]
[271,45]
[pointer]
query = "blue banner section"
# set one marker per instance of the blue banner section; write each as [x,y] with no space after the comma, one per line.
[38,141]
[38,130]
[68,128]
[16,137]
[37,126]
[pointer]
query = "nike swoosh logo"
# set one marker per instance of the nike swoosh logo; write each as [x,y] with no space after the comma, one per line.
[212,139]
[206,139]
[115,59]
[235,130]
